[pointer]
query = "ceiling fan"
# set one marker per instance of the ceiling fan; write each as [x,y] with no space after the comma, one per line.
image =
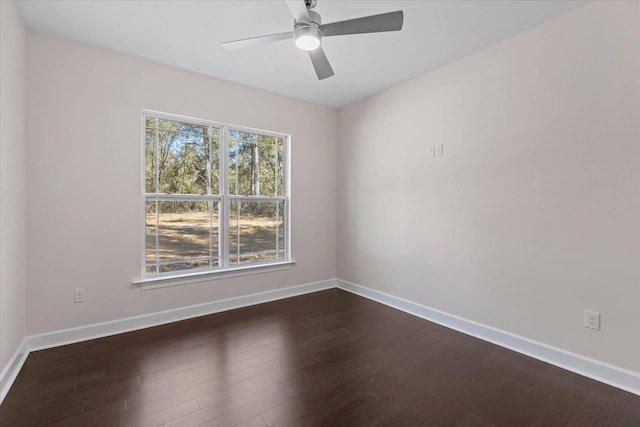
[308,31]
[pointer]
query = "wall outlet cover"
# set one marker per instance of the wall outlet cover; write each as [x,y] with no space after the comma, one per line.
[592,319]
[78,295]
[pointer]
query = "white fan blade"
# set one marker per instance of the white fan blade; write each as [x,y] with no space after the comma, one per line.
[255,41]
[299,10]
[391,21]
[320,63]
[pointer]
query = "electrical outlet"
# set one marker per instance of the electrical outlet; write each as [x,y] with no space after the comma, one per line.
[78,295]
[592,320]
[439,150]
[432,151]
[354,263]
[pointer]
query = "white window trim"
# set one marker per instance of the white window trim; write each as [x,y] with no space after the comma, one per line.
[154,282]
[151,281]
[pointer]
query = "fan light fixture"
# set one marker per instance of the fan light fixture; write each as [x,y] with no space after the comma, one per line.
[307,37]
[307,43]
[308,31]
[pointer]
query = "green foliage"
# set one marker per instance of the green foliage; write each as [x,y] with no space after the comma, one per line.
[255,169]
[183,158]
[255,165]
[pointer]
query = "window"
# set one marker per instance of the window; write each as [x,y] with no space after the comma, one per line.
[215,196]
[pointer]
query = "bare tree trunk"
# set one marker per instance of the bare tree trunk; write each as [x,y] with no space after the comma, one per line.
[255,178]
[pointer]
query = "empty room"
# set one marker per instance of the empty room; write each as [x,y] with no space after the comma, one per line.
[319,213]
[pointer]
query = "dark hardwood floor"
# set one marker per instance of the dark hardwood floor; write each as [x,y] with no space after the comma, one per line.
[328,358]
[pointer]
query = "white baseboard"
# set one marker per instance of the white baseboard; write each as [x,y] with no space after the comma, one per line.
[128,324]
[12,368]
[113,327]
[595,369]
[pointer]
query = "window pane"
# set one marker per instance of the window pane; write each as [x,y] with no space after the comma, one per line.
[186,265]
[233,159]
[256,231]
[187,235]
[281,236]
[183,127]
[187,157]
[150,161]
[182,163]
[213,141]
[234,232]
[280,172]
[150,237]
[253,164]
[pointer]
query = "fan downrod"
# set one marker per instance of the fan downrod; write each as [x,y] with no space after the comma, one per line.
[310,3]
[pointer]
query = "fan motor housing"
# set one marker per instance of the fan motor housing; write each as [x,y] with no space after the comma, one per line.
[315,17]
[311,28]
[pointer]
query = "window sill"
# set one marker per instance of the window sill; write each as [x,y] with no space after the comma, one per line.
[147,283]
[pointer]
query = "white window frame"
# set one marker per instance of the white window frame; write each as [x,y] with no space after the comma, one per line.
[224,199]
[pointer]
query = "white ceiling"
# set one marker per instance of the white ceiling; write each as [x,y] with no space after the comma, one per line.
[186,34]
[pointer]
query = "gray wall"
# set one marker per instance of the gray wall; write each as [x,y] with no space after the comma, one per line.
[13,273]
[84,183]
[532,214]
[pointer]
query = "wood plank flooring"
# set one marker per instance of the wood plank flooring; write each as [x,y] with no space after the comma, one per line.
[324,359]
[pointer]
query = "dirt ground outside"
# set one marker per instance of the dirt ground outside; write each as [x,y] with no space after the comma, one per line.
[184,236]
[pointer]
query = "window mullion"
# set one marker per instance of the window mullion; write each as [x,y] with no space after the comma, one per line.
[223,211]
[286,192]
[209,142]
[236,193]
[238,205]
[157,182]
[275,178]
